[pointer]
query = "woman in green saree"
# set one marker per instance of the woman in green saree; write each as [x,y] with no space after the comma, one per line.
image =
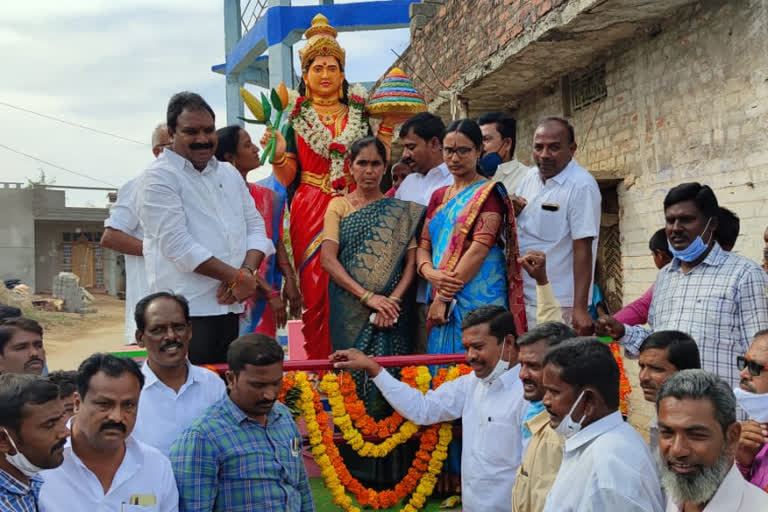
[369,251]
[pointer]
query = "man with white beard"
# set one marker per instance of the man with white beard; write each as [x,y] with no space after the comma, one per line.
[698,437]
[752,397]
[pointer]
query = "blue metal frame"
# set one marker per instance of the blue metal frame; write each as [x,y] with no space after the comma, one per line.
[282,24]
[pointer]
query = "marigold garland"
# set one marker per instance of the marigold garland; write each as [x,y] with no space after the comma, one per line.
[420,479]
[625,388]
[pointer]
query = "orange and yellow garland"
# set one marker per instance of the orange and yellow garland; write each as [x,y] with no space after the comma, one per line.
[350,416]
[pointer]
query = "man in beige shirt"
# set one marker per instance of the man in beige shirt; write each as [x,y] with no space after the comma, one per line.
[544,452]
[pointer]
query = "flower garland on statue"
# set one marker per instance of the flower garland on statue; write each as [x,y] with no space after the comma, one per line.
[306,123]
[428,461]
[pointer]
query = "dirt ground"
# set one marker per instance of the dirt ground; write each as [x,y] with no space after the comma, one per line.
[70,338]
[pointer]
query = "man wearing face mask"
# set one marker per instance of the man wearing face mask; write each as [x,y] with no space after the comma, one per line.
[752,397]
[544,447]
[489,402]
[32,436]
[498,160]
[104,467]
[606,464]
[718,298]
[175,392]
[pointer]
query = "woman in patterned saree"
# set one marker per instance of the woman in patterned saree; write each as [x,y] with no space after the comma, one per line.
[369,252]
[468,247]
[262,314]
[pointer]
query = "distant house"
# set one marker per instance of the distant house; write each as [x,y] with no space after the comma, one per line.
[40,236]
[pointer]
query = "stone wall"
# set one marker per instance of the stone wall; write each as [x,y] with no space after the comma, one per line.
[689,103]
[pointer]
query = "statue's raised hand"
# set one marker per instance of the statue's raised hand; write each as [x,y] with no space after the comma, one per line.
[279,140]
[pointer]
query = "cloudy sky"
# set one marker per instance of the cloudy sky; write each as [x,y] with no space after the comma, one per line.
[111,65]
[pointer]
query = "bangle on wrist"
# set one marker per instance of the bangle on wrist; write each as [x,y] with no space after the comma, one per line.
[366,296]
[396,300]
[280,161]
[247,267]
[273,294]
[237,281]
[420,267]
[444,299]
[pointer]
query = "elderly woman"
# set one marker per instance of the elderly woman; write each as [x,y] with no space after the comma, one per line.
[265,314]
[468,248]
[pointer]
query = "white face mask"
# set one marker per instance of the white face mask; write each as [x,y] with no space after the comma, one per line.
[754,404]
[499,369]
[19,461]
[568,427]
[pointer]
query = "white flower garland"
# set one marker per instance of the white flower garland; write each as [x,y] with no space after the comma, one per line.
[307,124]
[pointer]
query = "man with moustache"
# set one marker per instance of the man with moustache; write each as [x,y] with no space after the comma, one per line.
[244,453]
[104,467]
[175,393]
[663,354]
[606,464]
[489,402]
[21,346]
[560,216]
[123,233]
[203,237]
[544,452]
[33,432]
[421,137]
[717,297]
[698,436]
[752,397]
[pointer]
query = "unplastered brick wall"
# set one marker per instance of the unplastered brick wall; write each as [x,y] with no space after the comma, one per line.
[439,57]
[688,104]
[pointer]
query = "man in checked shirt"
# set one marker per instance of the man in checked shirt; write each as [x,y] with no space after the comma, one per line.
[719,298]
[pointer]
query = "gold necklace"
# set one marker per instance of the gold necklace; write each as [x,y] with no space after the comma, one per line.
[325,102]
[453,191]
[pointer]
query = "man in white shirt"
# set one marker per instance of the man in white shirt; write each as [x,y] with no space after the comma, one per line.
[203,237]
[698,437]
[421,137]
[498,160]
[489,402]
[606,464]
[175,392]
[105,468]
[122,233]
[560,216]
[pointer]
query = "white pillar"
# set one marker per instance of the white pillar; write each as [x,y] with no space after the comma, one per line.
[233,32]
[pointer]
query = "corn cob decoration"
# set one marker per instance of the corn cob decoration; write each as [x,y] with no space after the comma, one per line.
[263,109]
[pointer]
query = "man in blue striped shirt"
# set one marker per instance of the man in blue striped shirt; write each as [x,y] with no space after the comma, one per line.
[244,452]
[32,435]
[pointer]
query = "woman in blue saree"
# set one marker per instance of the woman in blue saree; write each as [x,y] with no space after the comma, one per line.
[369,252]
[468,248]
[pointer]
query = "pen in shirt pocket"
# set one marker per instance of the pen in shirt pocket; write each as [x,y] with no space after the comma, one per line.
[295,445]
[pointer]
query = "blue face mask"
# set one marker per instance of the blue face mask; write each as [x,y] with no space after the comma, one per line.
[693,251]
[489,163]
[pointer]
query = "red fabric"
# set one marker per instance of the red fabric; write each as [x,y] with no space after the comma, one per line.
[390,192]
[264,198]
[307,215]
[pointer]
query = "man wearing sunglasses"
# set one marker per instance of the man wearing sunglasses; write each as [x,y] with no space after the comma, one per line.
[752,396]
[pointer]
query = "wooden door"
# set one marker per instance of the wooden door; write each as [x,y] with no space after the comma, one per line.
[82,262]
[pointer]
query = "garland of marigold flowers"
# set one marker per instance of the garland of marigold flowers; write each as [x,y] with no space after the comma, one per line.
[427,464]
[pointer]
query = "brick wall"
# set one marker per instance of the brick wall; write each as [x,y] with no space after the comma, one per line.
[689,104]
[482,26]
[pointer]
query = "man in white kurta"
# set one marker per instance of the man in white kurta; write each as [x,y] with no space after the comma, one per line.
[489,402]
[606,464]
